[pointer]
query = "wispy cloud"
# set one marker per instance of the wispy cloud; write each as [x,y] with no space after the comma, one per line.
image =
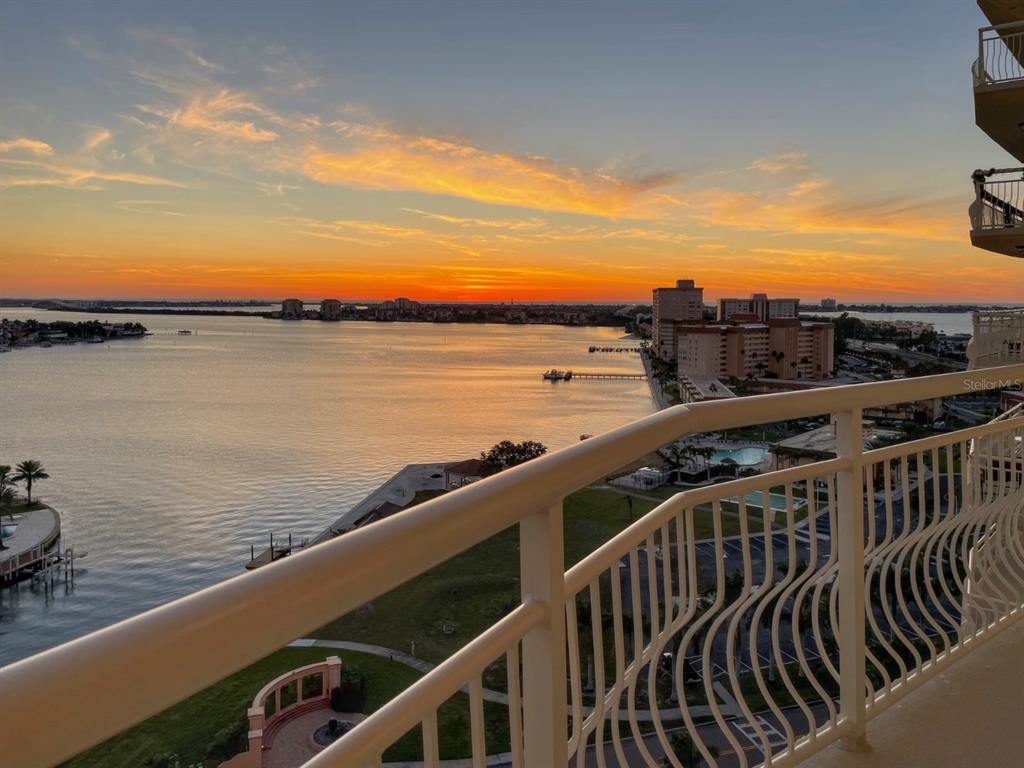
[96,137]
[392,161]
[37,173]
[146,207]
[30,146]
[462,221]
[788,160]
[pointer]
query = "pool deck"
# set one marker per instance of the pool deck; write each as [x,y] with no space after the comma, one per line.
[36,530]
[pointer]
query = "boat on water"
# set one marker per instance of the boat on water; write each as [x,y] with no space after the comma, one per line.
[184,332]
[556,375]
[95,340]
[46,344]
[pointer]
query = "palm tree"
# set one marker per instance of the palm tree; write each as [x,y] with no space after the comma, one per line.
[686,750]
[5,477]
[29,472]
[707,453]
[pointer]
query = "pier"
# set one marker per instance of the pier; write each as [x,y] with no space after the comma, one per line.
[275,551]
[386,500]
[623,376]
[556,374]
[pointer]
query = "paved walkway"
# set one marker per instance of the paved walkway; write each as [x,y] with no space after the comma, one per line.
[35,527]
[389,653]
[399,490]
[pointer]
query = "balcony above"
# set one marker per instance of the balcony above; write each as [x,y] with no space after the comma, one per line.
[997,213]
[999,86]
[1002,11]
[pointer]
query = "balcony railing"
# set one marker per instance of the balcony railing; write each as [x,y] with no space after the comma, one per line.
[998,338]
[849,583]
[998,199]
[1000,52]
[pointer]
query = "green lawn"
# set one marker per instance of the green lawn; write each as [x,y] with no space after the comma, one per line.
[476,588]
[187,729]
[467,593]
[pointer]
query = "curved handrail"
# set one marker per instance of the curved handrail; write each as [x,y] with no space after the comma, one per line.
[155,650]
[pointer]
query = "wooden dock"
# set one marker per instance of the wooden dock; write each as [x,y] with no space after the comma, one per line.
[275,551]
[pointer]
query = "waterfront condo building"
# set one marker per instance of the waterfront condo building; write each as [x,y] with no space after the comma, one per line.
[292,309]
[330,309]
[785,349]
[685,302]
[757,307]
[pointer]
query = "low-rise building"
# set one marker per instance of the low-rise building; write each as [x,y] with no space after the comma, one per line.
[463,473]
[757,307]
[785,348]
[697,389]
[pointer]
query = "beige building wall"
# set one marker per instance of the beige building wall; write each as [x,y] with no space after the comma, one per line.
[787,349]
[758,306]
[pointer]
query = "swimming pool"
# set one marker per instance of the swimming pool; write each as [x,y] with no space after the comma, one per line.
[755,500]
[744,457]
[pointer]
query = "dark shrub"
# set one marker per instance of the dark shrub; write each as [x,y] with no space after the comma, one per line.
[229,740]
[350,696]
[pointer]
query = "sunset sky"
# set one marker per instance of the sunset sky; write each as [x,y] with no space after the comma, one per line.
[492,151]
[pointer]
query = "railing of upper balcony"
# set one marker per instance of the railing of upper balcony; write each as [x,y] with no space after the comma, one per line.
[838,587]
[1000,52]
[998,338]
[998,199]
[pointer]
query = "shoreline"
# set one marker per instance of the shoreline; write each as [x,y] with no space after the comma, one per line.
[657,393]
[390,497]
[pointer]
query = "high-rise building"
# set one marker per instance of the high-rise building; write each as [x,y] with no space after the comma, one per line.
[997,213]
[829,305]
[758,307]
[684,302]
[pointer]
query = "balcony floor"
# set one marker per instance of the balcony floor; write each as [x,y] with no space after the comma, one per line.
[970,715]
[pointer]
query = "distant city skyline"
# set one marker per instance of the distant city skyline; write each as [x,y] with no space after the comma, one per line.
[466,152]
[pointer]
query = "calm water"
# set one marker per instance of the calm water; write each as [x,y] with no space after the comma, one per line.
[170,455]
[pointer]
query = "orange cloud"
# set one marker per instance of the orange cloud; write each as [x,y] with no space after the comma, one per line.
[391,161]
[26,145]
[810,207]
